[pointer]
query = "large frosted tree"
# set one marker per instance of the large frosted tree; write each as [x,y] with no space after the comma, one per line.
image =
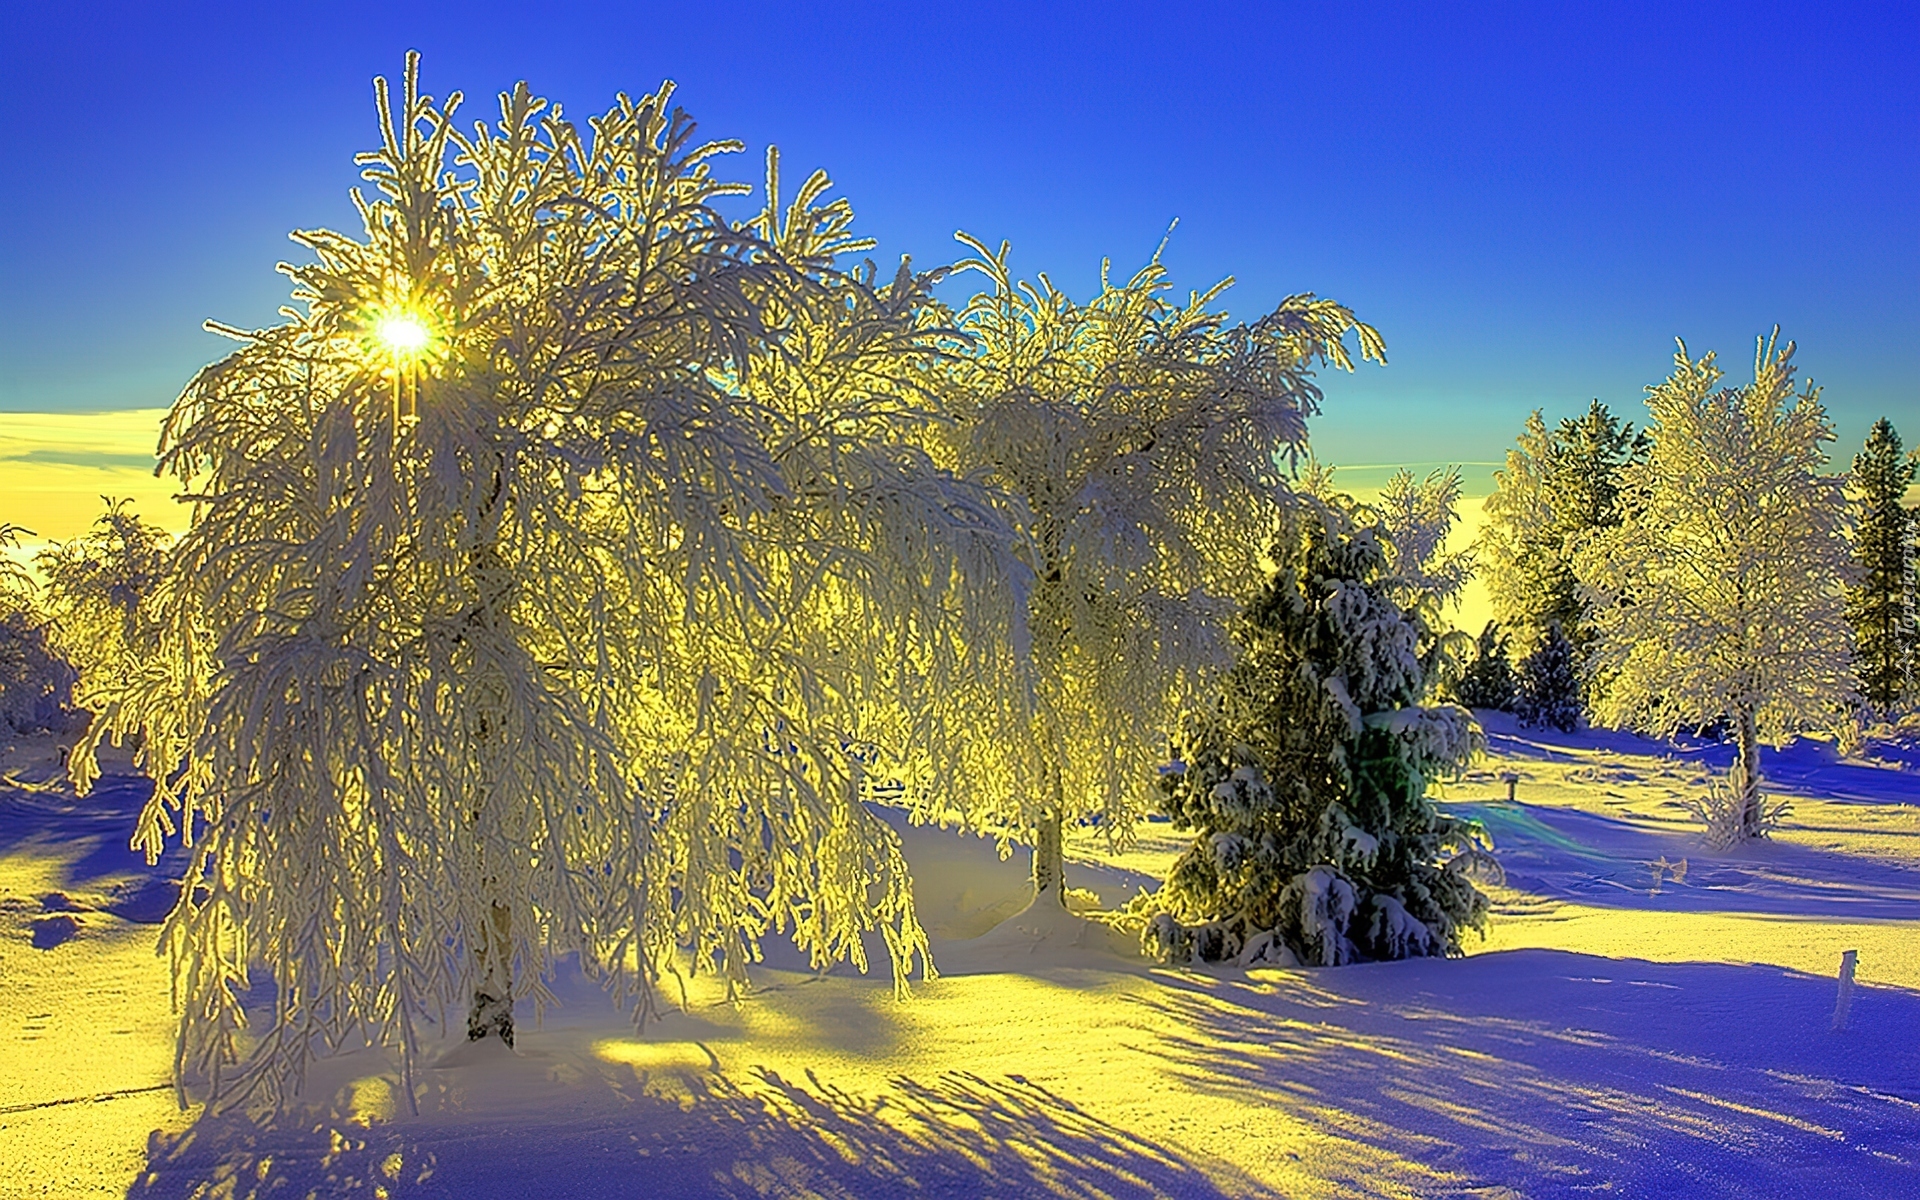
[561,570]
[1723,594]
[1881,604]
[1142,444]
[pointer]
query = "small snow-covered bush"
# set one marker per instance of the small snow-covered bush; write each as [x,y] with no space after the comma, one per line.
[1721,810]
[36,684]
[98,594]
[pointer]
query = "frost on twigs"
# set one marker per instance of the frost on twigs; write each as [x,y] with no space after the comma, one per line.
[1722,594]
[1138,443]
[578,619]
[1305,778]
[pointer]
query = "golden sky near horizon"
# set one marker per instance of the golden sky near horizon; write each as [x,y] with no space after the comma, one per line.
[55,467]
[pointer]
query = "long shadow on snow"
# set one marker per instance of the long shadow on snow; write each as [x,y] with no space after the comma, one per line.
[1561,1075]
[960,1136]
[1593,859]
[100,826]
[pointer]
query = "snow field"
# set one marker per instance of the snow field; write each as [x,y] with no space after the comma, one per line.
[1611,1036]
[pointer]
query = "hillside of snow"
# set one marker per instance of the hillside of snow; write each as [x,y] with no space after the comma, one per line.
[1644,1018]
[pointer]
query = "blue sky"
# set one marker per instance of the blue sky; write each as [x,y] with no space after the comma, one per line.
[1529,201]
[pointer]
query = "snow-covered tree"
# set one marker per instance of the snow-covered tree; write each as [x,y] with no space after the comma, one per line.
[1881,605]
[36,683]
[1488,682]
[558,576]
[1723,596]
[1427,580]
[1519,549]
[1141,443]
[97,589]
[1305,778]
[1559,486]
[1548,690]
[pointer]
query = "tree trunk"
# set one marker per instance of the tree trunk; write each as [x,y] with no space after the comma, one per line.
[1747,767]
[492,1009]
[1049,859]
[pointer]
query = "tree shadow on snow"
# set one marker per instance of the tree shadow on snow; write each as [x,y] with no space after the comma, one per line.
[98,826]
[960,1136]
[1592,859]
[1558,1075]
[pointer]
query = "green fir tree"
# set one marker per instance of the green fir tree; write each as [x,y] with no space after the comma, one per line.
[1881,604]
[1559,487]
[1306,783]
[1489,682]
[1549,686]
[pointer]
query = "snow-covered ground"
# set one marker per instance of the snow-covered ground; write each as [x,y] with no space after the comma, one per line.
[1621,1031]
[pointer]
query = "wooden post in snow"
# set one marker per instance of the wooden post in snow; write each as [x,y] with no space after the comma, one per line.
[1844,1000]
[1510,778]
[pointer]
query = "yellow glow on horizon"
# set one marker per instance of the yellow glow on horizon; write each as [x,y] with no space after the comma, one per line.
[54,467]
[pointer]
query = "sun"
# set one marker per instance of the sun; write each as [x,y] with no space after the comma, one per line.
[402,333]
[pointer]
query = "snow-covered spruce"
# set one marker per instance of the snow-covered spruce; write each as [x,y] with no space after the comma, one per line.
[1306,779]
[1548,690]
[1488,682]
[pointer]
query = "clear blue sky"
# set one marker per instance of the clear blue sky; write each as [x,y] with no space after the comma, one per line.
[1530,200]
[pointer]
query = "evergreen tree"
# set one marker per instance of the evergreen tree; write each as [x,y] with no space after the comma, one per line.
[1520,548]
[1548,692]
[1585,491]
[1139,443]
[1881,605]
[1306,780]
[1724,593]
[1591,452]
[1489,681]
[1559,487]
